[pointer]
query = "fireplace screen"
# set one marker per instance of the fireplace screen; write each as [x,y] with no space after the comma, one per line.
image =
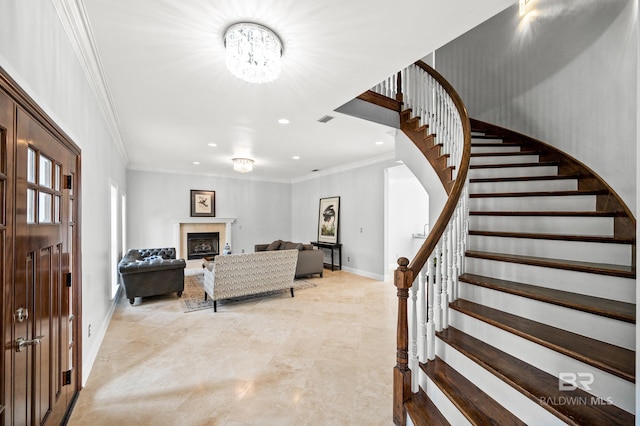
[202,244]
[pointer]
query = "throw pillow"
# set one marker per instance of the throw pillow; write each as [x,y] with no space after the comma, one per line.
[307,247]
[274,245]
[292,246]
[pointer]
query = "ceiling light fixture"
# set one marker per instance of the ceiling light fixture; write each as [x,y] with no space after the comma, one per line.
[242,165]
[253,52]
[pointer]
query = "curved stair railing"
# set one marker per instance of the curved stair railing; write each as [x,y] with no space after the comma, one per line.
[436,120]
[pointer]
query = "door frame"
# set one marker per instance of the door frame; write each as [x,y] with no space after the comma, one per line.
[23,101]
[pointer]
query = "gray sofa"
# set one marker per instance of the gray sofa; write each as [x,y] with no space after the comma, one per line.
[310,259]
[150,272]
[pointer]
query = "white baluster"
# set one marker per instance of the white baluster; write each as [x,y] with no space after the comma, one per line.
[431,329]
[413,333]
[422,315]
[444,299]
[455,246]
[437,306]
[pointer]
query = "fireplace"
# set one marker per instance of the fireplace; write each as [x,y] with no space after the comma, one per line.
[202,244]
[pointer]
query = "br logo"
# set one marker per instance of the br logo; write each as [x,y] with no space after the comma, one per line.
[573,381]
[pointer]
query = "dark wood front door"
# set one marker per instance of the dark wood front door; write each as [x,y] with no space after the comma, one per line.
[38,285]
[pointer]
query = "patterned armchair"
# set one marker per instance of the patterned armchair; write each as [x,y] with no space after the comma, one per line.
[237,275]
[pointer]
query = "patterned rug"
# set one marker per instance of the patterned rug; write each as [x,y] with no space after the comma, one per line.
[193,295]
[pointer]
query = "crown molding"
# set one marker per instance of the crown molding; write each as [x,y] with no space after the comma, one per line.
[351,166]
[76,24]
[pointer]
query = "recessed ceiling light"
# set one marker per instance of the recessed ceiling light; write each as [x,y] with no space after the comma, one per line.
[379,142]
[212,144]
[283,121]
[196,162]
[296,157]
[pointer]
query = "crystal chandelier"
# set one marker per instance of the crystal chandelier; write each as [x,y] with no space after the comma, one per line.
[242,165]
[253,52]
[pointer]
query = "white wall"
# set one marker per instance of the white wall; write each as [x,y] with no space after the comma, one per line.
[262,209]
[35,51]
[566,74]
[361,225]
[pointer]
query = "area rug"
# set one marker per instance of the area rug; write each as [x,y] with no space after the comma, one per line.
[193,295]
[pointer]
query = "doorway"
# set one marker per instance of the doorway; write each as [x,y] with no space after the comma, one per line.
[406,218]
[39,181]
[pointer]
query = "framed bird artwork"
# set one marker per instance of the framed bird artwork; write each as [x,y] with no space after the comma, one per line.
[203,203]
[328,220]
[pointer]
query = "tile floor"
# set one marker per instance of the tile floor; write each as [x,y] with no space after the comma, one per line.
[324,357]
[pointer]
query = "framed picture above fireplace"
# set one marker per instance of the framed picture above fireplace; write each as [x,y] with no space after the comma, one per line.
[203,203]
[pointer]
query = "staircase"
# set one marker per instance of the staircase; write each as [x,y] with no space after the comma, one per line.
[547,292]
[519,308]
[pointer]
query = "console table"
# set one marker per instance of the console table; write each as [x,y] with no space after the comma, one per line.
[332,247]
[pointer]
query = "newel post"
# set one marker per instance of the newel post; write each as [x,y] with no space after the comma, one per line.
[403,278]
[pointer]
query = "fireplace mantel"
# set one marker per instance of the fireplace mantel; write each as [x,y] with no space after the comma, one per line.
[200,222]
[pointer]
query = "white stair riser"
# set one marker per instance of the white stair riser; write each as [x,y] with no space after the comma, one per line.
[557,225]
[597,327]
[517,403]
[504,159]
[605,385]
[475,149]
[523,186]
[607,287]
[498,172]
[615,254]
[572,203]
[475,140]
[444,404]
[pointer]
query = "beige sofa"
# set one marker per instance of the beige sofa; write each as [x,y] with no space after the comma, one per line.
[246,274]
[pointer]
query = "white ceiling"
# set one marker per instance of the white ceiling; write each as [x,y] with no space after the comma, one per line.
[163,64]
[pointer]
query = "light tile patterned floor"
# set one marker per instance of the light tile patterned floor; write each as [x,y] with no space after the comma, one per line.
[324,357]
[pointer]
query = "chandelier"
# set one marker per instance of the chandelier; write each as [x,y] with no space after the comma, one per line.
[253,52]
[242,165]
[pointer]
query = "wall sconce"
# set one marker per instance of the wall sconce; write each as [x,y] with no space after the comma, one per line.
[523,7]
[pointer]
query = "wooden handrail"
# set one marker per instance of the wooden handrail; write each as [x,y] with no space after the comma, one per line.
[429,245]
[407,271]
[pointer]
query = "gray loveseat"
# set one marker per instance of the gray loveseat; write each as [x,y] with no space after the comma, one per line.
[310,259]
[150,272]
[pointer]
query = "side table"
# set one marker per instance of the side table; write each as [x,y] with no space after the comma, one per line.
[332,247]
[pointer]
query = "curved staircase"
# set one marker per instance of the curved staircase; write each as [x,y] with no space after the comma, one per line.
[547,293]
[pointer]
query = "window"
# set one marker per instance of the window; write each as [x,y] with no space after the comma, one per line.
[114,241]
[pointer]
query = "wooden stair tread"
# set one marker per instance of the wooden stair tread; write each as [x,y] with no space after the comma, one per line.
[478,407]
[537,193]
[595,305]
[511,165]
[582,238]
[544,213]
[525,178]
[537,385]
[613,359]
[571,265]
[423,411]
